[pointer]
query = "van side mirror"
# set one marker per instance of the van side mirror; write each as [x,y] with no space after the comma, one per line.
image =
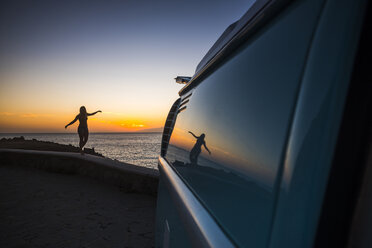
[182,79]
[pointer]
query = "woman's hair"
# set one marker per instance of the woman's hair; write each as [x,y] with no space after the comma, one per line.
[83,110]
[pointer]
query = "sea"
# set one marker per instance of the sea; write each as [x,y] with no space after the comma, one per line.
[140,149]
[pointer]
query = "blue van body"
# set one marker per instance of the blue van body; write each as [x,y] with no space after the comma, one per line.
[248,147]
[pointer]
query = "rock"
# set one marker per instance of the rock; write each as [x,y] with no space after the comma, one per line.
[34,144]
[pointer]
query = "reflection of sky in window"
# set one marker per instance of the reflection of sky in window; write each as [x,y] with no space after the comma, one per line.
[242,109]
[226,151]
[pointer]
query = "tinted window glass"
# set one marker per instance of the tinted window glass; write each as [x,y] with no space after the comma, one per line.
[228,143]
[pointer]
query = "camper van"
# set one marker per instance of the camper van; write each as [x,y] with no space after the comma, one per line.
[269,142]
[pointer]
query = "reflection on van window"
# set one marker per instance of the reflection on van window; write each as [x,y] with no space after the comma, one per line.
[195,151]
[244,109]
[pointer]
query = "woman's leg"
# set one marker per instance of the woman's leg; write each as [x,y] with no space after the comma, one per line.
[86,135]
[194,154]
[81,137]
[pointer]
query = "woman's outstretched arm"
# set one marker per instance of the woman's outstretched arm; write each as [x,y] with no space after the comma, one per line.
[72,122]
[205,145]
[193,134]
[99,111]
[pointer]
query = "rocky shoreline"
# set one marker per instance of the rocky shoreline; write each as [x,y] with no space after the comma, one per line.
[22,143]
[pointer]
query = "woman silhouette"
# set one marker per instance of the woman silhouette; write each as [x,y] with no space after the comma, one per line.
[196,150]
[83,126]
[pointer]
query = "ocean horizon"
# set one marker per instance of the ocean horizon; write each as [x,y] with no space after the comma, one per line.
[139,148]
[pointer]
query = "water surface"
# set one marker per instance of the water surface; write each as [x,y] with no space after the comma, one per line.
[134,148]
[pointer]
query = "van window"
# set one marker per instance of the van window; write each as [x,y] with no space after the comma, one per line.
[228,144]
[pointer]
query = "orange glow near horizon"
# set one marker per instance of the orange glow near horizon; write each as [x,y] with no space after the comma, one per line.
[18,122]
[225,154]
[38,101]
[37,107]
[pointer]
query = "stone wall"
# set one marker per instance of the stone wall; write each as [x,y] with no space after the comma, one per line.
[130,178]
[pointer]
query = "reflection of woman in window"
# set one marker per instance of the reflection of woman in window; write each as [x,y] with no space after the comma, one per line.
[196,150]
[83,126]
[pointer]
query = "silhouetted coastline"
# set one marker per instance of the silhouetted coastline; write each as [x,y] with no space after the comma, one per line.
[22,143]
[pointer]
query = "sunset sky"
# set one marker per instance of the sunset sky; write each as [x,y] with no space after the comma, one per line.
[118,56]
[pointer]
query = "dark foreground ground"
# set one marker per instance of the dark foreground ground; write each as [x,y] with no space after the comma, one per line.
[42,209]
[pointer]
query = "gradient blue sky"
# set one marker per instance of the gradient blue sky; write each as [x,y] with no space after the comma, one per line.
[117,56]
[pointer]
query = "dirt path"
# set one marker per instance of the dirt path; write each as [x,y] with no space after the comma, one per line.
[41,209]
